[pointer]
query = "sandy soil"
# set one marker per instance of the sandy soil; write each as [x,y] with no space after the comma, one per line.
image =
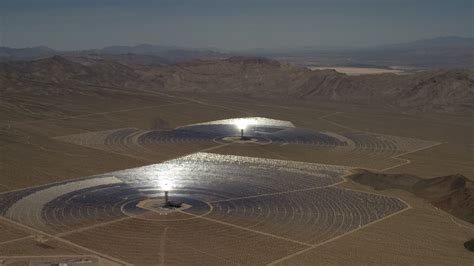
[422,235]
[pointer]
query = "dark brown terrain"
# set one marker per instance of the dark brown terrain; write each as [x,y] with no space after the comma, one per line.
[469,245]
[453,193]
[437,90]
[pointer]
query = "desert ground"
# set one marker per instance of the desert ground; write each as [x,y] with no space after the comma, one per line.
[34,153]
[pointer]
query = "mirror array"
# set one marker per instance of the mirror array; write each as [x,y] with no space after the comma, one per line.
[259,130]
[285,206]
[297,202]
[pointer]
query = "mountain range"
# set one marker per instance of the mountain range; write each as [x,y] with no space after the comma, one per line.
[440,52]
[426,91]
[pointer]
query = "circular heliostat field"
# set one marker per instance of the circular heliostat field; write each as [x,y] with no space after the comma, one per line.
[256,131]
[215,203]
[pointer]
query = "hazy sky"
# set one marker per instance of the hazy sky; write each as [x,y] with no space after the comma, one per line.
[225,24]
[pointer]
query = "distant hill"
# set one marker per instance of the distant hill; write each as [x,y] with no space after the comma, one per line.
[445,41]
[454,193]
[435,53]
[169,53]
[140,54]
[440,52]
[428,91]
[28,53]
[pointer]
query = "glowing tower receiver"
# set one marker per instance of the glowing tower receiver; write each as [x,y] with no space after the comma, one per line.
[242,124]
[242,127]
[166,186]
